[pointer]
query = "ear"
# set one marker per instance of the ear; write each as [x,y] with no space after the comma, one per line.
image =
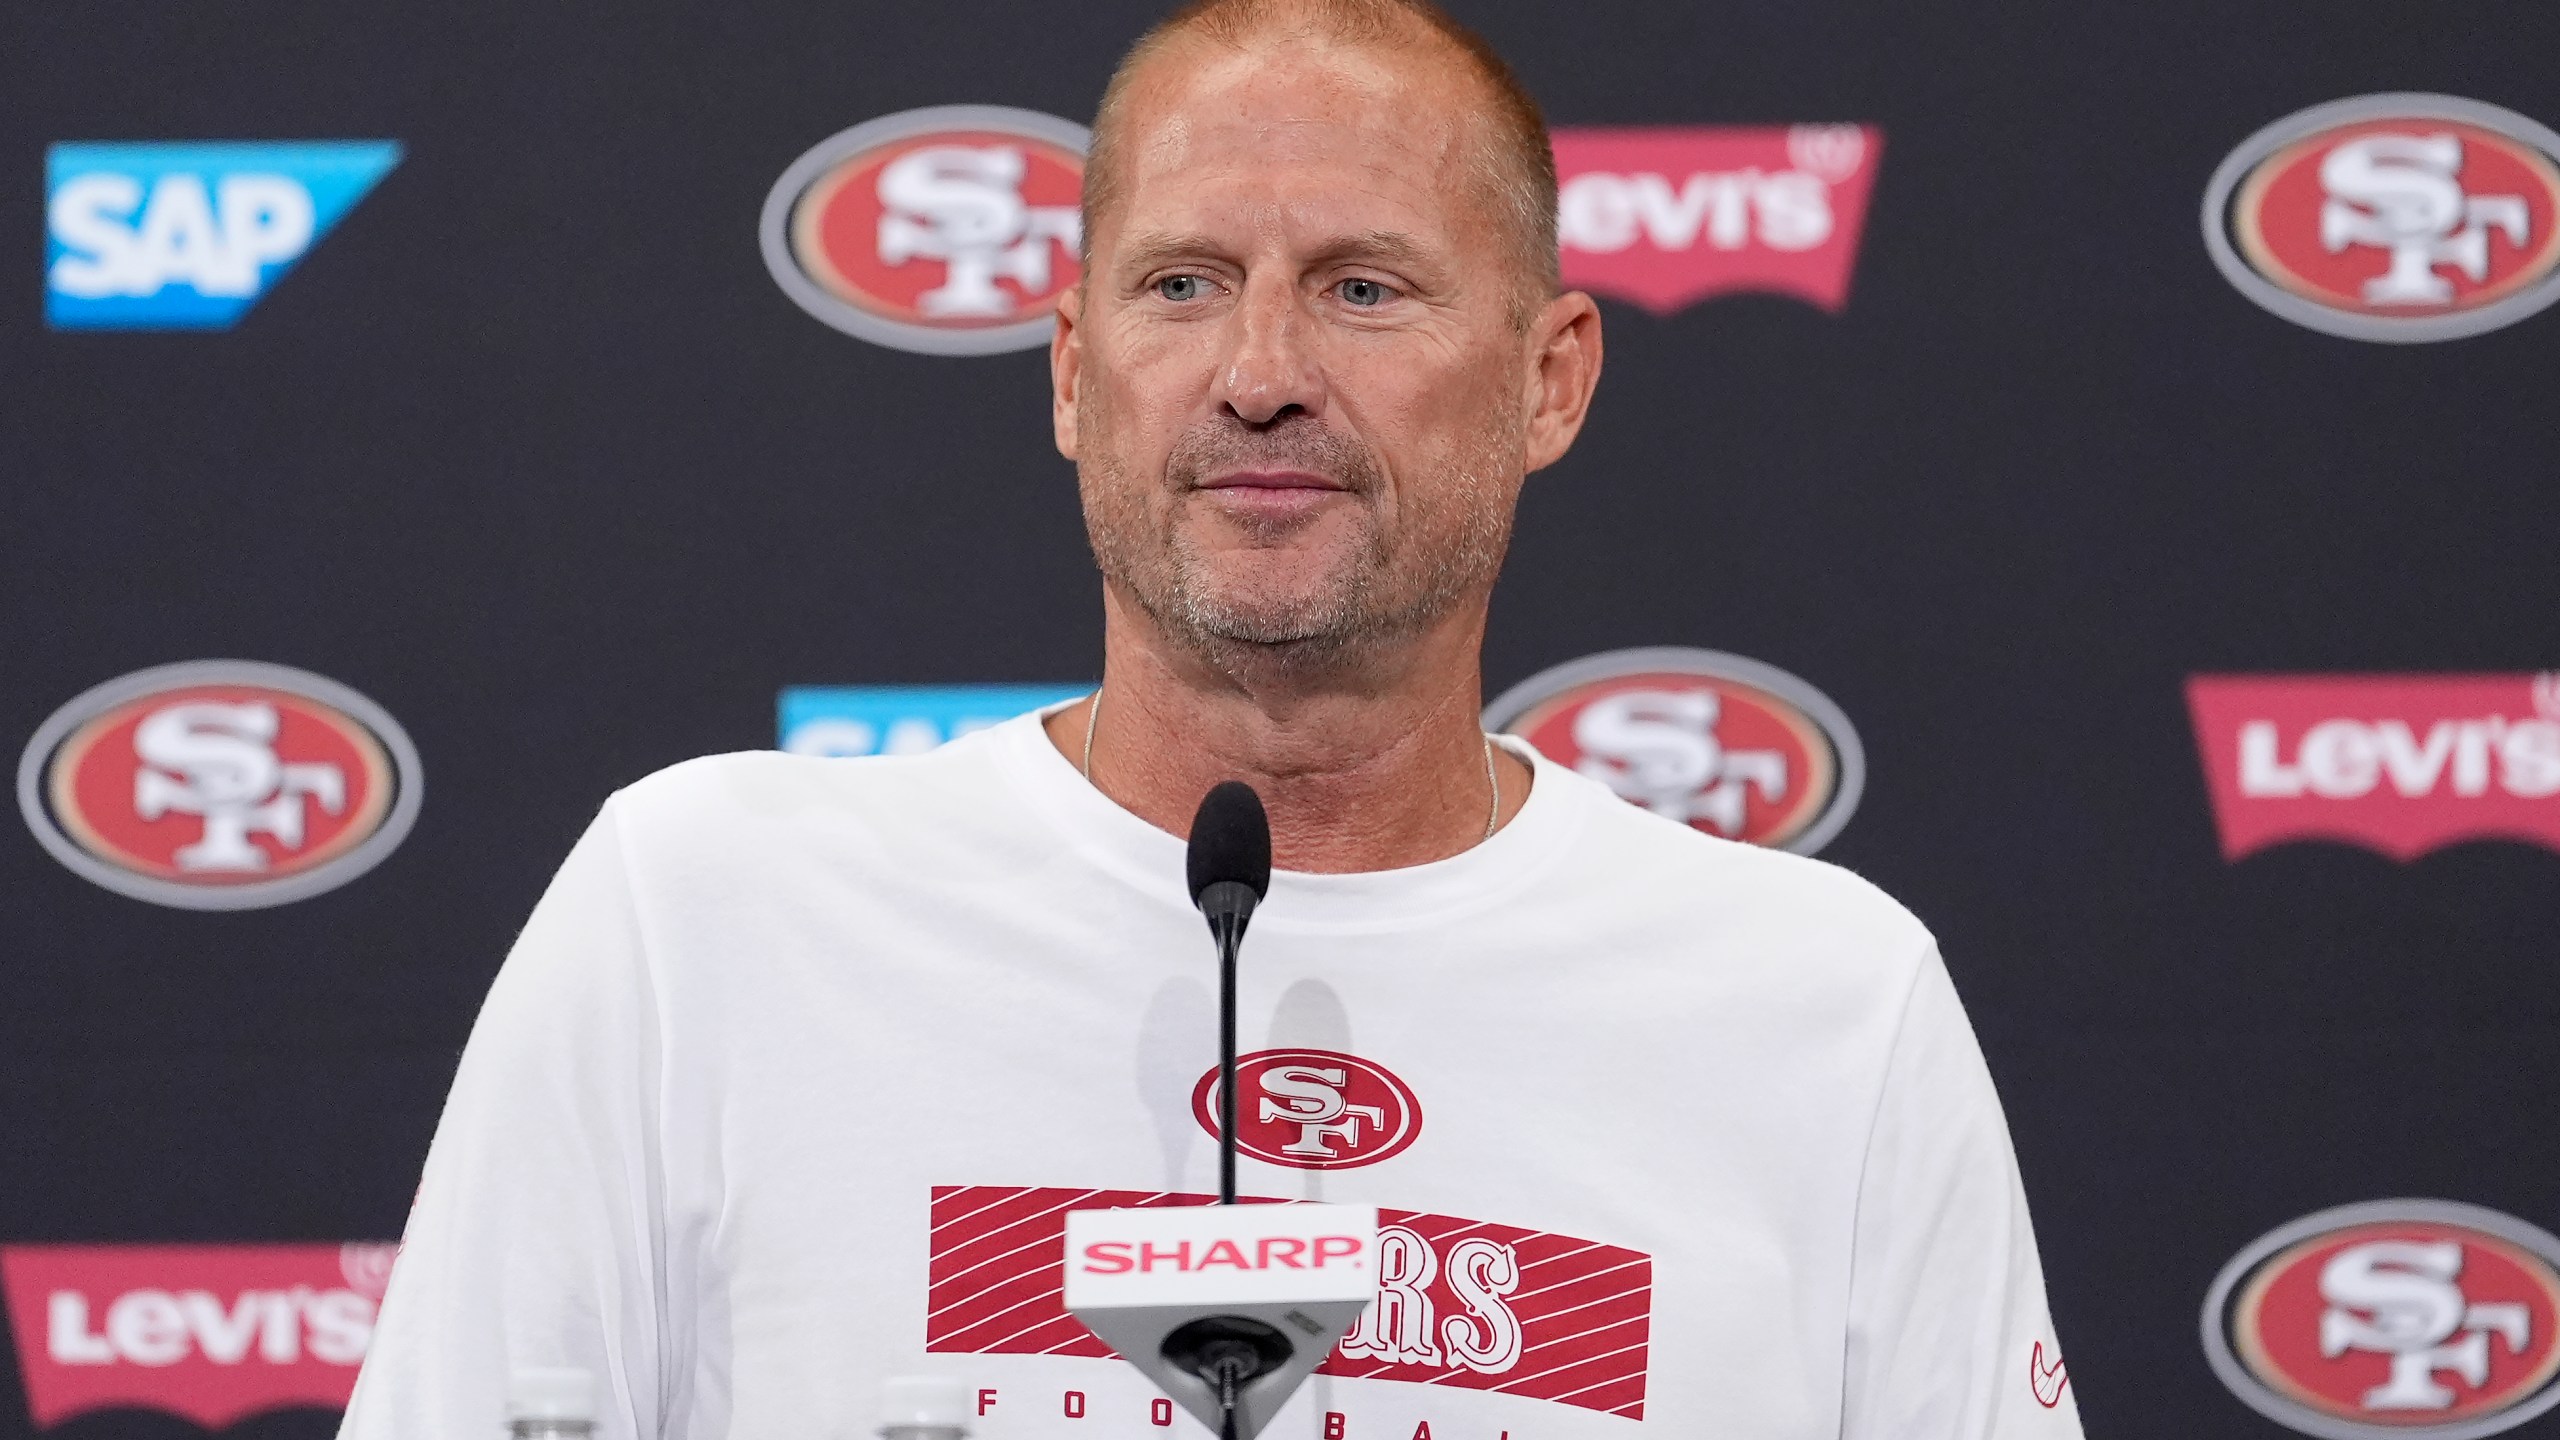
[1066,369]
[1564,368]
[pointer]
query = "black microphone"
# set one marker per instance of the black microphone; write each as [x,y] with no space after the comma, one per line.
[1229,866]
[1230,870]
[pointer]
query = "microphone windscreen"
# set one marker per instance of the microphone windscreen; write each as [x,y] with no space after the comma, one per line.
[1230,840]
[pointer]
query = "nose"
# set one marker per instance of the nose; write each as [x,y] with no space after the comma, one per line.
[1271,370]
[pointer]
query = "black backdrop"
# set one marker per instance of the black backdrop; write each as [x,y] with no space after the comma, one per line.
[533,451]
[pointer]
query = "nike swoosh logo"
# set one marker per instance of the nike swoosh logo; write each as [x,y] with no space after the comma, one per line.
[2046,1380]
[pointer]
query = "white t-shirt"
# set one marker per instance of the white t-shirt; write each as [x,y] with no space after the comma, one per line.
[798,1066]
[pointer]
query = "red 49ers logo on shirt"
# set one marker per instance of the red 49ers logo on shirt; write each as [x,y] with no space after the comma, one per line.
[1314,1109]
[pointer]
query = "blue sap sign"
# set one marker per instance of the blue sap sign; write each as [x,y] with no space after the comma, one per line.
[188,236]
[902,719]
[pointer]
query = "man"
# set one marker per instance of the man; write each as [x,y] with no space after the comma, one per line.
[797,1066]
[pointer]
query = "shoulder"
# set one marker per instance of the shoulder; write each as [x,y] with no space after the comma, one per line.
[737,806]
[1750,902]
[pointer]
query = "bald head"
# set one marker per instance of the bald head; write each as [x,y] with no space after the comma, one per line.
[1497,135]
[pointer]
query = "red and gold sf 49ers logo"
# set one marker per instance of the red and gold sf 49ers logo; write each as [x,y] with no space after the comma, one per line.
[950,230]
[219,785]
[1720,743]
[1314,1109]
[2392,217]
[2412,1317]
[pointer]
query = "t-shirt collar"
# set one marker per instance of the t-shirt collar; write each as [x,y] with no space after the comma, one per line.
[1151,860]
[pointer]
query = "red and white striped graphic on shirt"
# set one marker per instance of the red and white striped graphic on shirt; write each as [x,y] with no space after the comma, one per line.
[1460,1302]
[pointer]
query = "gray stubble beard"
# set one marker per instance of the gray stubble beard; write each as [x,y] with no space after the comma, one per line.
[1382,594]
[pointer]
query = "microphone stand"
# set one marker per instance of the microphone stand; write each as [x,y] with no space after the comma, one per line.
[1227,1361]
[1229,930]
[1211,1341]
[1228,867]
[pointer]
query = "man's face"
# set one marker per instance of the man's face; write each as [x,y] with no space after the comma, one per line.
[1294,379]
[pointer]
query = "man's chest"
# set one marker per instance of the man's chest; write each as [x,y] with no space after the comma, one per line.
[1591,1211]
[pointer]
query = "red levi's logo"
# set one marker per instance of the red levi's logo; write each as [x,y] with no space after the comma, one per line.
[1462,1303]
[1314,1109]
[210,1333]
[1669,217]
[2402,764]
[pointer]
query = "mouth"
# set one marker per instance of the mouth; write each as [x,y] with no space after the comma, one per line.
[1271,495]
[1271,480]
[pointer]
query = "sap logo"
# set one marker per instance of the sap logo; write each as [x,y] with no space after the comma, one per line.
[902,719]
[189,236]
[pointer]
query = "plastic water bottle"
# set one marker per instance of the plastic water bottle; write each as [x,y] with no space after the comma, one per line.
[924,1407]
[551,1403]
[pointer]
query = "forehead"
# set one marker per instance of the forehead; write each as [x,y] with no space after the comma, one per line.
[1301,128]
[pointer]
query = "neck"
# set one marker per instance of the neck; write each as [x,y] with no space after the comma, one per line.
[1374,764]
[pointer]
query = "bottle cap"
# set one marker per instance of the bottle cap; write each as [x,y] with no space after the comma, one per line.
[551,1393]
[926,1401]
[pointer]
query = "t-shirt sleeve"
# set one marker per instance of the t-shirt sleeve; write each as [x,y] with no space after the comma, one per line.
[1949,1337]
[535,1236]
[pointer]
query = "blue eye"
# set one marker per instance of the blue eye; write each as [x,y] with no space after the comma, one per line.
[1363,293]
[1179,287]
